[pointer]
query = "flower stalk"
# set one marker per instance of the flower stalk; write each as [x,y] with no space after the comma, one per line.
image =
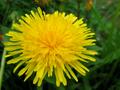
[2,68]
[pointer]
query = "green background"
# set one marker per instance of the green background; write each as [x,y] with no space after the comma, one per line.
[103,18]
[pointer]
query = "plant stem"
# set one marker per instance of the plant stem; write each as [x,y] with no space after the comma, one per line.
[2,68]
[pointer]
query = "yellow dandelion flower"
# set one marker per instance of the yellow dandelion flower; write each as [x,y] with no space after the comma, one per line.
[47,44]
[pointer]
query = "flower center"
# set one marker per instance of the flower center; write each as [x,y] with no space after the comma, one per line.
[52,40]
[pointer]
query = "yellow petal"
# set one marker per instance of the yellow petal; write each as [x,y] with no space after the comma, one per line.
[35,79]
[87,57]
[77,68]
[21,63]
[71,72]
[22,71]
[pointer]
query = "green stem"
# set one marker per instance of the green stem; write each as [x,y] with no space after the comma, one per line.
[2,68]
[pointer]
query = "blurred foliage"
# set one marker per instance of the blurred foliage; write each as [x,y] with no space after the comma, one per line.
[102,16]
[42,3]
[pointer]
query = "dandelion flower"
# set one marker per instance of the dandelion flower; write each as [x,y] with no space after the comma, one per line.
[50,44]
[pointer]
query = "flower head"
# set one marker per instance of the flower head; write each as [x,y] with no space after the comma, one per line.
[42,2]
[47,44]
[89,5]
[0,36]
